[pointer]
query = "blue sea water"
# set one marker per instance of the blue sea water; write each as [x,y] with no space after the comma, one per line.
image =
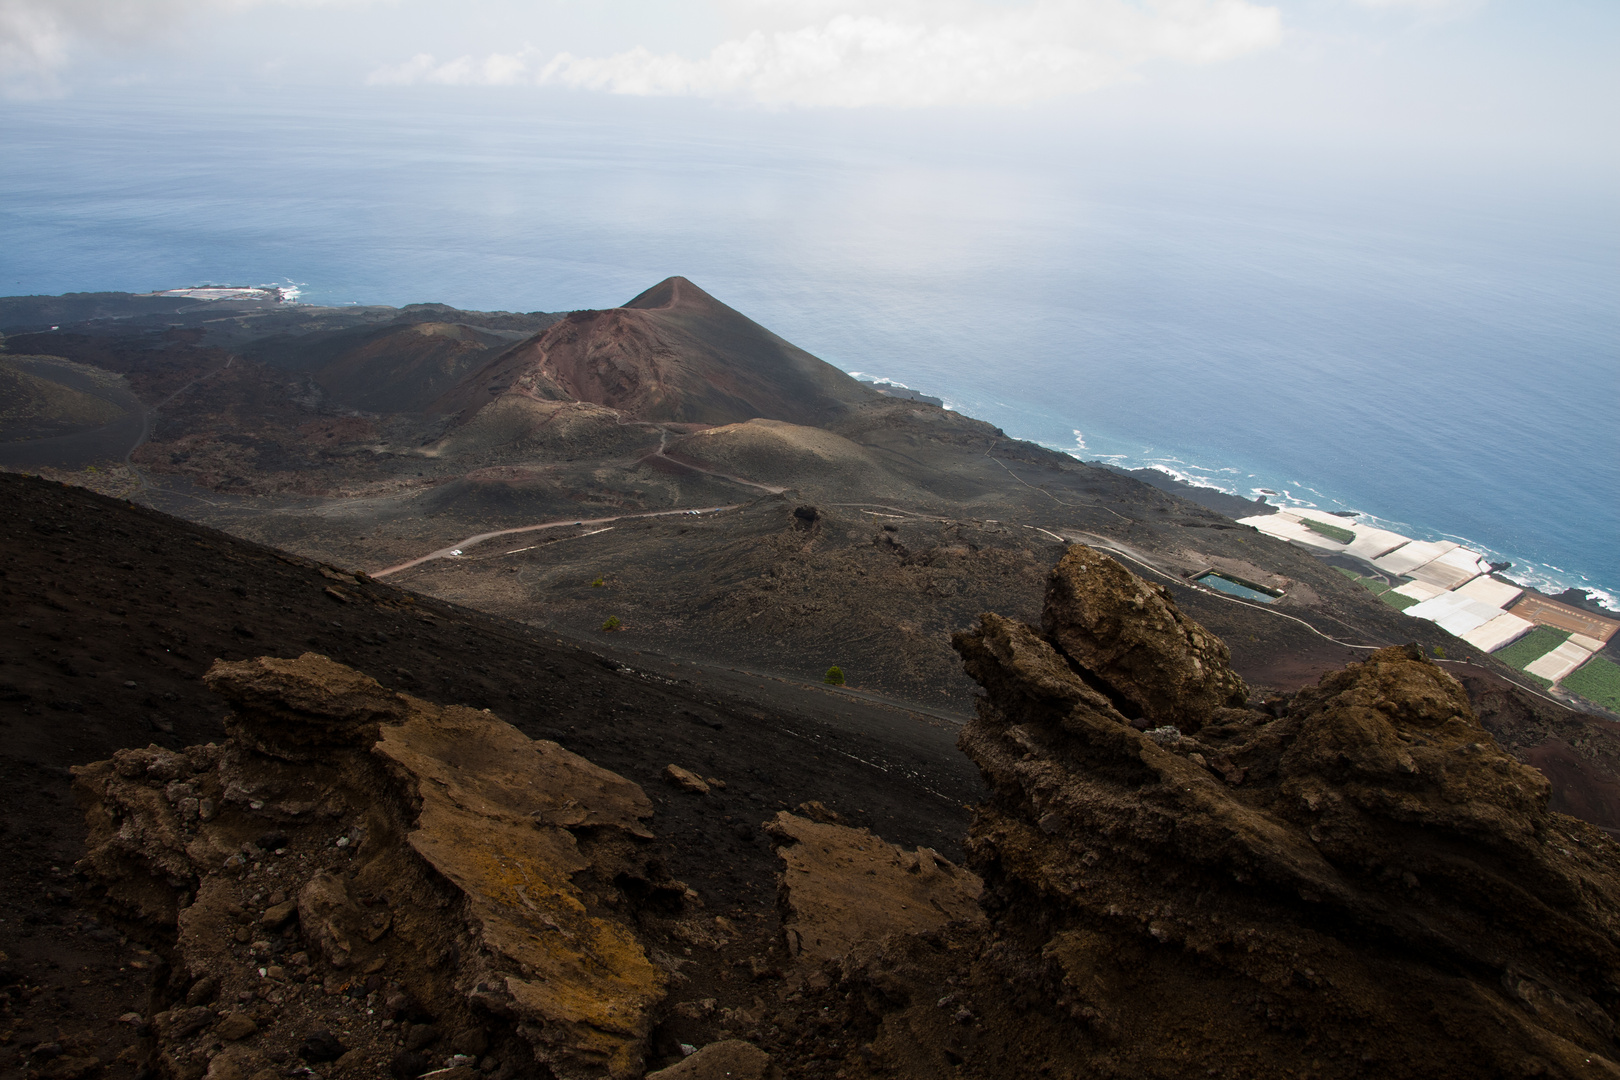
[1438,351]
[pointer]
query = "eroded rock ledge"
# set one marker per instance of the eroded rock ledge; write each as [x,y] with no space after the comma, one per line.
[433,869]
[1354,881]
[1168,881]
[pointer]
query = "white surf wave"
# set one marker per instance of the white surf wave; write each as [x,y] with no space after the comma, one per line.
[877,380]
[1299,495]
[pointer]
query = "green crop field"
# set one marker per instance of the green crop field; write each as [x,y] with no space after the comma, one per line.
[1332,532]
[1532,647]
[1598,681]
[1379,588]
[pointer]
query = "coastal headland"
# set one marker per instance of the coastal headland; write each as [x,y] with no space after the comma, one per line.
[347,555]
[374,436]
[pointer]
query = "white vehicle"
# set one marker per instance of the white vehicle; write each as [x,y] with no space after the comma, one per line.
[457,551]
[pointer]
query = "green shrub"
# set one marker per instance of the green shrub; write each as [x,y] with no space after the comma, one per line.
[598,583]
[1598,681]
[834,676]
[612,624]
[1332,532]
[1440,652]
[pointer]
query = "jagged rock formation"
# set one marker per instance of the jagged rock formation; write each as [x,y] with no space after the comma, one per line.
[1357,880]
[1353,880]
[1162,668]
[356,861]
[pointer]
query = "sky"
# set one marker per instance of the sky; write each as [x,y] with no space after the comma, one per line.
[1517,84]
[960,161]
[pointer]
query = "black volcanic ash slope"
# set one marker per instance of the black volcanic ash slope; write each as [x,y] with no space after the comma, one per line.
[112,614]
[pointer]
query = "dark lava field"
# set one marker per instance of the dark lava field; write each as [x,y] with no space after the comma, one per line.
[725,518]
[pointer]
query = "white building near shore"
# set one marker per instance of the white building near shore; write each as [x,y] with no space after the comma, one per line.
[1451,584]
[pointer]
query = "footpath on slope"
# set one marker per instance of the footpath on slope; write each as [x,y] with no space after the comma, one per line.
[472,541]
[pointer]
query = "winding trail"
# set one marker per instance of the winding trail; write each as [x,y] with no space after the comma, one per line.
[1130,554]
[1110,544]
[149,415]
[453,549]
[115,441]
[1136,557]
[663,441]
[1125,553]
[1043,491]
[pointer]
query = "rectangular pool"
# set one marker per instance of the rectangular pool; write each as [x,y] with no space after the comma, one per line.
[1234,587]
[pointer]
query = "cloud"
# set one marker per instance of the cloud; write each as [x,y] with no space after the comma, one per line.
[39,38]
[896,52]
[1442,10]
[496,69]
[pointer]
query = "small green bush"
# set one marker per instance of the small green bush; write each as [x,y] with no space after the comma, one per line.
[1440,652]
[834,676]
[1332,532]
[612,624]
[598,583]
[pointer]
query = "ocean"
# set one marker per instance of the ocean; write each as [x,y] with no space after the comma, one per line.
[1436,348]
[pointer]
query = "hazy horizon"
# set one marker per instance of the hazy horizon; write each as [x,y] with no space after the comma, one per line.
[1393,221]
[1419,79]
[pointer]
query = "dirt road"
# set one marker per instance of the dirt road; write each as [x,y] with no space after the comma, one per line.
[458,548]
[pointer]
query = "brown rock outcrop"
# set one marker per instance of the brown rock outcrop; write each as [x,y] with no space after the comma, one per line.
[297,709]
[842,886]
[1362,884]
[445,870]
[729,1059]
[1159,665]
